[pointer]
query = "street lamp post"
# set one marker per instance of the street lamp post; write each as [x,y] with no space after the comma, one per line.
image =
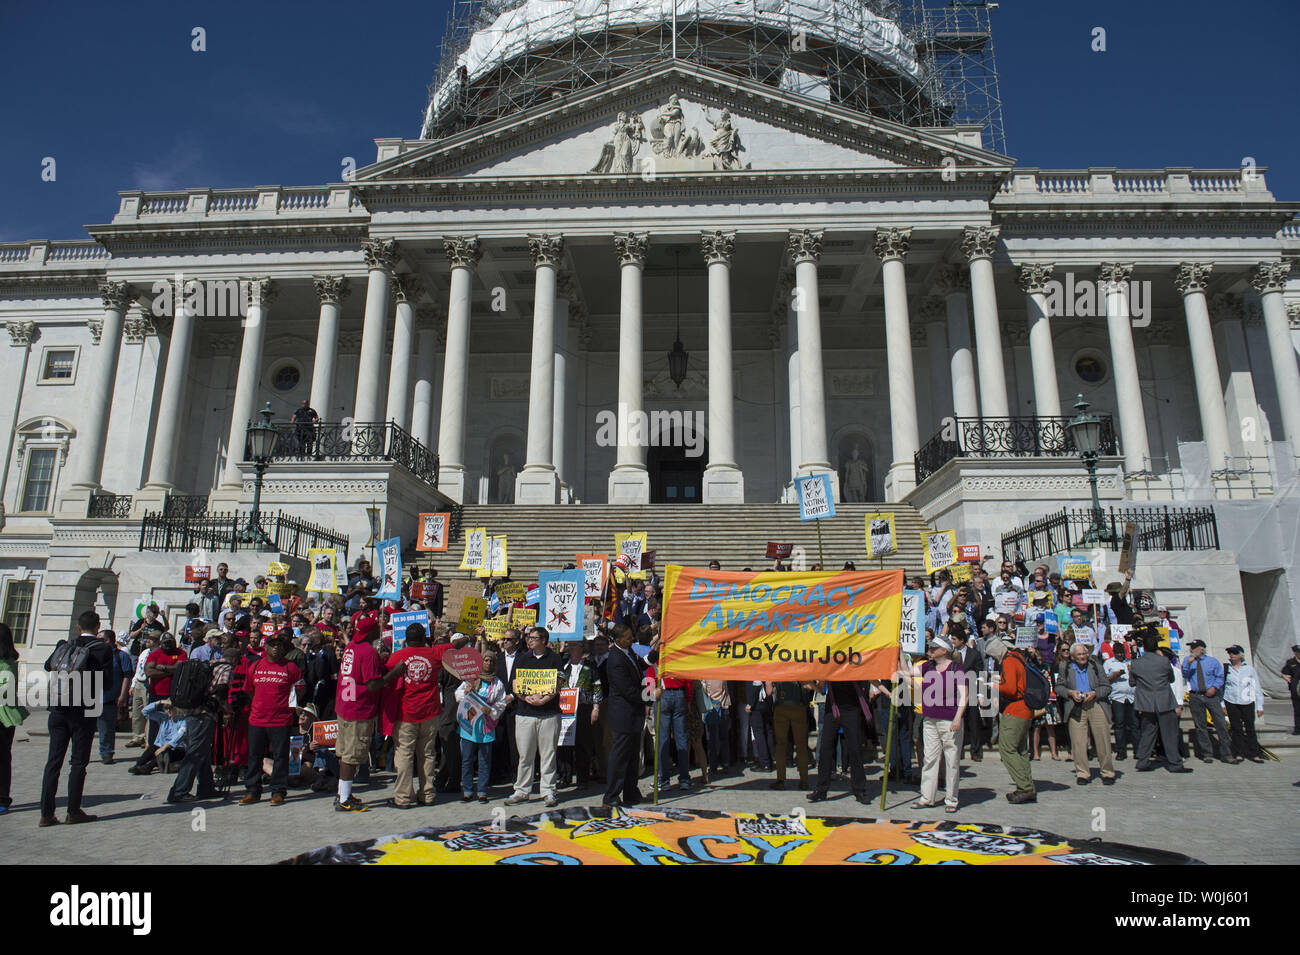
[1085,431]
[261,446]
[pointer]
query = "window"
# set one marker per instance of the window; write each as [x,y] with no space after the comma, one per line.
[1090,367]
[60,365]
[286,378]
[40,479]
[18,608]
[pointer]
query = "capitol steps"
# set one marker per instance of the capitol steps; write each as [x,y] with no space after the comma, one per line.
[541,537]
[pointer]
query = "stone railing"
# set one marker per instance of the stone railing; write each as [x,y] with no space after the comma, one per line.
[1112,185]
[58,254]
[263,202]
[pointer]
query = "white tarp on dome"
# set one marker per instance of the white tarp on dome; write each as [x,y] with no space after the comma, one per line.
[539,23]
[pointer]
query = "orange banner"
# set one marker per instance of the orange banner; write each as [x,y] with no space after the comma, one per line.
[775,625]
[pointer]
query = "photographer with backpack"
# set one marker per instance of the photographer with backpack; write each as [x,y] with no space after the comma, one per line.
[70,721]
[1023,690]
[194,699]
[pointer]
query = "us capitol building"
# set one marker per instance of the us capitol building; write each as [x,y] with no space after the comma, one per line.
[768,239]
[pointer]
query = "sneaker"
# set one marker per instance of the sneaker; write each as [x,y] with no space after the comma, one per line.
[551,802]
[79,816]
[352,805]
[516,799]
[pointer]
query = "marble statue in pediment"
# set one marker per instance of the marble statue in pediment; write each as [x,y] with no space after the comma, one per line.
[725,145]
[619,154]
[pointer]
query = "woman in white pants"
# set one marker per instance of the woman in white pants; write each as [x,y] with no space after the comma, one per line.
[944,695]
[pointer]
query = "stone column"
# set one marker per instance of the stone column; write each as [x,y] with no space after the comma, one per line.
[1042,359]
[564,292]
[406,289]
[1128,389]
[979,246]
[723,481]
[1190,279]
[331,290]
[792,372]
[1246,427]
[629,482]
[426,344]
[171,404]
[953,282]
[538,483]
[381,255]
[21,335]
[805,248]
[934,313]
[463,255]
[99,399]
[261,292]
[891,247]
[1269,280]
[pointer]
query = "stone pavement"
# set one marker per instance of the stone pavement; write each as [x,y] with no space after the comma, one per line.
[1242,814]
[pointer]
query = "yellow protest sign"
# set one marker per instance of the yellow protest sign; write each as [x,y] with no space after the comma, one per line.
[633,545]
[940,550]
[511,592]
[475,549]
[495,563]
[881,541]
[324,570]
[535,682]
[962,572]
[277,569]
[472,613]
[523,616]
[496,627]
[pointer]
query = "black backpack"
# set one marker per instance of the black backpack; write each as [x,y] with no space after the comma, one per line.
[1037,688]
[70,656]
[190,684]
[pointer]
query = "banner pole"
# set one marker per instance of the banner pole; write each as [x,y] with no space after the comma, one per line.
[657,746]
[821,558]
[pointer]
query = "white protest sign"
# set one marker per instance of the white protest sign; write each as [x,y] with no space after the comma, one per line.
[911,636]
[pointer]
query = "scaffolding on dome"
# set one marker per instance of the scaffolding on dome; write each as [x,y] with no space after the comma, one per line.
[915,62]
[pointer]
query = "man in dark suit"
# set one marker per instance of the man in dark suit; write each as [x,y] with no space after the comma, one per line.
[1153,698]
[967,655]
[505,752]
[626,706]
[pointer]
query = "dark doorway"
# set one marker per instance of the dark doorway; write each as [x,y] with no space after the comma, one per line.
[676,477]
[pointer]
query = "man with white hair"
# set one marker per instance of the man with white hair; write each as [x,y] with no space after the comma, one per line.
[1084,690]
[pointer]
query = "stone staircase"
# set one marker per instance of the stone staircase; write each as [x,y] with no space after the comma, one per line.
[546,537]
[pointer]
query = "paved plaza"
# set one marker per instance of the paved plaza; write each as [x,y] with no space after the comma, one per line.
[1221,814]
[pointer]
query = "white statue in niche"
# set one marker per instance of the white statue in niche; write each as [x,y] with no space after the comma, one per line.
[506,475]
[855,475]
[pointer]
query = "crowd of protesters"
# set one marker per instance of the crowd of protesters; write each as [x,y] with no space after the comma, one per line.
[1096,682]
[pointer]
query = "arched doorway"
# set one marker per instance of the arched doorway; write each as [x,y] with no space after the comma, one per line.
[97,591]
[677,457]
[505,460]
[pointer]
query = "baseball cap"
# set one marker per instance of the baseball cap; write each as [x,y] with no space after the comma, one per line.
[1235,648]
[1195,643]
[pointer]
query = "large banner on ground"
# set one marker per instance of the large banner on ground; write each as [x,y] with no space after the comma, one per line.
[777,625]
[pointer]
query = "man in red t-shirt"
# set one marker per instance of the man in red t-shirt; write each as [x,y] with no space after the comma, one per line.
[271,719]
[421,703]
[162,664]
[356,702]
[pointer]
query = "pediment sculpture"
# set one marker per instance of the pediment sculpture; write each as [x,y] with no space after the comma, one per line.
[677,145]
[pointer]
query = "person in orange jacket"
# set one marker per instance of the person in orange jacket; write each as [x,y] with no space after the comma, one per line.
[1015,721]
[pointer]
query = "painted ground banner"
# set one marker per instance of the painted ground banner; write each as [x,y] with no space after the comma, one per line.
[774,625]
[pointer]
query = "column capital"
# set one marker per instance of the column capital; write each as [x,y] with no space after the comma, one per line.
[951,280]
[116,295]
[380,253]
[136,328]
[332,289]
[933,308]
[632,247]
[718,247]
[1228,306]
[1270,277]
[565,286]
[261,292]
[892,243]
[406,288]
[805,246]
[463,251]
[21,334]
[1114,273]
[96,326]
[546,249]
[1293,315]
[427,318]
[1034,278]
[1192,277]
[979,242]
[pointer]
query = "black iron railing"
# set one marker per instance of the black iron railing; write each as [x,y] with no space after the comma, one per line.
[185,504]
[1158,528]
[1005,438]
[353,441]
[113,506]
[221,531]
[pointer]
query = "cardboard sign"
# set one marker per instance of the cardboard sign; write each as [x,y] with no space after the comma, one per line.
[961,572]
[195,573]
[940,550]
[881,541]
[595,567]
[464,664]
[475,549]
[472,613]
[1085,635]
[435,531]
[535,682]
[324,571]
[633,545]
[496,627]
[277,569]
[777,551]
[1026,636]
[1074,567]
[911,634]
[325,732]
[511,592]
[1006,601]
[971,553]
[562,602]
[401,621]
[1094,596]
[281,589]
[1120,631]
[1128,548]
[258,593]
[458,591]
[816,501]
[523,617]
[568,700]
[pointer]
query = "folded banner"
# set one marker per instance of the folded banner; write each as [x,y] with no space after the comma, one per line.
[775,625]
[390,569]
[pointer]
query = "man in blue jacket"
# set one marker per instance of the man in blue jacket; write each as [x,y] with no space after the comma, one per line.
[1205,679]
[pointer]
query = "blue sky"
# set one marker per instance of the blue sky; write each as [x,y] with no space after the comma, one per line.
[287,89]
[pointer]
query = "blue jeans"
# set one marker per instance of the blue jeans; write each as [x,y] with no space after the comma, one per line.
[672,717]
[468,750]
[717,728]
[107,721]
